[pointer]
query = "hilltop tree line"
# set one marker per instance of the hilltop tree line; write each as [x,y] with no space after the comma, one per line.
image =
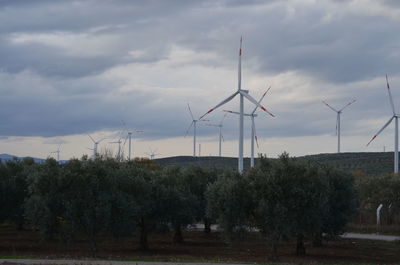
[281,199]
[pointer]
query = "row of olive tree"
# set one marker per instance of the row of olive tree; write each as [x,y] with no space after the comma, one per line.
[103,196]
[281,198]
[284,199]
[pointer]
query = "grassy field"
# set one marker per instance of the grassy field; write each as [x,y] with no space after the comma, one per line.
[198,247]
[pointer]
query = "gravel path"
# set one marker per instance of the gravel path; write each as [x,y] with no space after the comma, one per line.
[371,236]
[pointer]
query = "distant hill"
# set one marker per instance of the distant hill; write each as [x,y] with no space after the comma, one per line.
[370,163]
[5,157]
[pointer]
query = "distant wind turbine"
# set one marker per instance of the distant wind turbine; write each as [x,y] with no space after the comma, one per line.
[338,112]
[252,115]
[221,138]
[396,130]
[119,155]
[129,137]
[152,153]
[243,94]
[193,123]
[57,152]
[95,145]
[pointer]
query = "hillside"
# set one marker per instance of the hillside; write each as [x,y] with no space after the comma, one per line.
[370,163]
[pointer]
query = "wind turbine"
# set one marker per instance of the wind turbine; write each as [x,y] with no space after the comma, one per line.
[219,125]
[243,94]
[193,123]
[129,137]
[338,112]
[57,152]
[252,115]
[119,148]
[95,145]
[152,153]
[396,130]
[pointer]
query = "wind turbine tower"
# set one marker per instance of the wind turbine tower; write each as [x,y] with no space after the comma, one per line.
[396,129]
[338,112]
[243,94]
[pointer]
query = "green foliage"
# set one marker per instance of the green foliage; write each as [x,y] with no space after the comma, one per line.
[14,189]
[230,202]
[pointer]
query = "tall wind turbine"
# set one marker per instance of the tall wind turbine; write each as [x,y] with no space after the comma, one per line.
[396,130]
[193,123]
[252,115]
[243,94]
[219,125]
[95,145]
[338,112]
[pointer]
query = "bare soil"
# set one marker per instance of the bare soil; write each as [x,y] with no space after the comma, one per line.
[198,246]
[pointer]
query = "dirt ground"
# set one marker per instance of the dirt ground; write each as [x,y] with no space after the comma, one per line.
[198,247]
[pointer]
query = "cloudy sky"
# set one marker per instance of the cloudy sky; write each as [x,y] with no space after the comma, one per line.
[77,67]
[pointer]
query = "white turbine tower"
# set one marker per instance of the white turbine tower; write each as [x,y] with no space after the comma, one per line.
[193,123]
[95,145]
[338,112]
[243,94]
[221,138]
[152,153]
[252,115]
[396,130]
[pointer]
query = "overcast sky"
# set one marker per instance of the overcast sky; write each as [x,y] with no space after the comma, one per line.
[71,68]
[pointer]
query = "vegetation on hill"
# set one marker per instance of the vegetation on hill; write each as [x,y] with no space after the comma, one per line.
[369,163]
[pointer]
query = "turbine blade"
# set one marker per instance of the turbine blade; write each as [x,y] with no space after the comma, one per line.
[255,134]
[220,104]
[348,104]
[223,118]
[230,111]
[92,138]
[191,114]
[262,97]
[240,66]
[250,98]
[384,126]
[102,139]
[190,126]
[390,95]
[329,106]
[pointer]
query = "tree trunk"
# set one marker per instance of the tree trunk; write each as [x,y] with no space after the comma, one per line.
[143,235]
[273,256]
[178,238]
[317,240]
[300,248]
[93,245]
[207,226]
